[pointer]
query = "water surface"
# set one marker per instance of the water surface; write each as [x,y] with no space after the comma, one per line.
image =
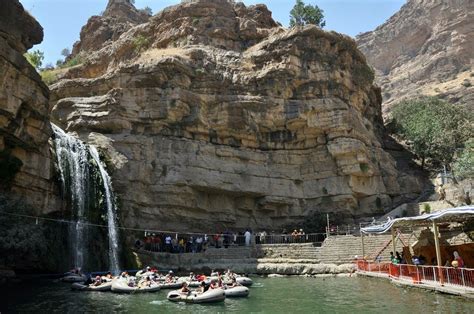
[267,295]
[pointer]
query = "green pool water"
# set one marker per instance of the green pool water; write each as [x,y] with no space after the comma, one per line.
[267,295]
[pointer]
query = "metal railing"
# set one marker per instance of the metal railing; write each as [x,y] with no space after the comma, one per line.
[290,238]
[459,277]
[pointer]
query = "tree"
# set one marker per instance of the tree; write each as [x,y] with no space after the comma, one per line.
[148,10]
[302,14]
[35,58]
[65,52]
[464,165]
[433,128]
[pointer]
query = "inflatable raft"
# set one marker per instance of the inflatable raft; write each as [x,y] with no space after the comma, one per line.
[70,277]
[106,286]
[236,292]
[121,286]
[170,285]
[210,296]
[244,281]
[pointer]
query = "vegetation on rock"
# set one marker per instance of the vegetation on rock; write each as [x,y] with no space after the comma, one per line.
[303,14]
[140,43]
[35,58]
[433,128]
[463,167]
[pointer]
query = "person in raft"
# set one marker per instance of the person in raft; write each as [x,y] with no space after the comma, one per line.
[97,281]
[170,277]
[184,288]
[214,284]
[202,288]
[234,283]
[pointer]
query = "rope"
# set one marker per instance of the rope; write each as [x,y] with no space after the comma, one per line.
[97,225]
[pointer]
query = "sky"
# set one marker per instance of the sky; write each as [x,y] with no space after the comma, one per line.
[62,20]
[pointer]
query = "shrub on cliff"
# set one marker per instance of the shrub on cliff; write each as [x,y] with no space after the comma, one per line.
[463,167]
[433,128]
[35,58]
[303,14]
[140,43]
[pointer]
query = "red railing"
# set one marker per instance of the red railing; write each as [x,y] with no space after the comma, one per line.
[434,275]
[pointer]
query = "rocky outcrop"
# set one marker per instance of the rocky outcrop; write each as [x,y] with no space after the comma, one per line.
[214,116]
[25,159]
[118,17]
[424,49]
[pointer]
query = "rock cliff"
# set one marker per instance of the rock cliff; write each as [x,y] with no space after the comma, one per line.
[118,17]
[424,49]
[212,115]
[25,159]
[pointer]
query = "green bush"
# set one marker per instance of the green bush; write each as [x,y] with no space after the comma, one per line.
[364,167]
[426,208]
[73,62]
[35,58]
[463,166]
[48,77]
[140,43]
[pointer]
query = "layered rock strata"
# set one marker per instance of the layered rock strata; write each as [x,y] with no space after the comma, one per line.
[118,17]
[25,158]
[424,49]
[213,116]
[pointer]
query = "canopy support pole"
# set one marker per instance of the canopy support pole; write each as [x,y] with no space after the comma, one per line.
[394,244]
[363,245]
[438,252]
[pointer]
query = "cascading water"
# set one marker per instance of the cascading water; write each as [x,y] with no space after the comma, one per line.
[75,171]
[111,214]
[72,157]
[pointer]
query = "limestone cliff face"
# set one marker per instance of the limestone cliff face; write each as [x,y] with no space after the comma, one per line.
[25,158]
[424,49]
[118,17]
[213,115]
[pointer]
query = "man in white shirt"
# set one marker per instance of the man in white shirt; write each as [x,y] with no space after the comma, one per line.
[247,236]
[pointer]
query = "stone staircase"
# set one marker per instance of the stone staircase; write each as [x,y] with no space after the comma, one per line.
[334,250]
[293,251]
[343,249]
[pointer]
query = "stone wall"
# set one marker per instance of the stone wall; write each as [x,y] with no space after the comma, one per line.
[25,159]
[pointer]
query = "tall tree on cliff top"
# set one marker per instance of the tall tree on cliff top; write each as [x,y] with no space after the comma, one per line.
[303,14]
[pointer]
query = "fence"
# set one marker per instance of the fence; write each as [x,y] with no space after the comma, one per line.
[195,243]
[421,274]
[289,238]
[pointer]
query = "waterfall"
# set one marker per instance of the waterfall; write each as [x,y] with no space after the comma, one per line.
[75,170]
[72,157]
[111,214]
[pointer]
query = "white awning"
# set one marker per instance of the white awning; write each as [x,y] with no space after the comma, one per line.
[458,214]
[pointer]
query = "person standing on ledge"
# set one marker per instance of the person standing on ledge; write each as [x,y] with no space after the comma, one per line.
[247,236]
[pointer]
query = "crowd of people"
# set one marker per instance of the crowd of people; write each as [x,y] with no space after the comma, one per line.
[191,243]
[419,259]
[196,243]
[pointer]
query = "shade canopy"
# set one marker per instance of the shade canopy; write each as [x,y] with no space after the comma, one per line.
[450,215]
